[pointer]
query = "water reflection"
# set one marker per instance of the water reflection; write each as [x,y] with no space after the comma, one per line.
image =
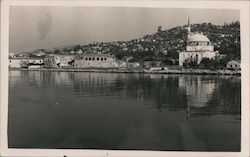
[172,92]
[124,111]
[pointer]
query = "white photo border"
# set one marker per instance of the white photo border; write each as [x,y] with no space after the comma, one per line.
[243,6]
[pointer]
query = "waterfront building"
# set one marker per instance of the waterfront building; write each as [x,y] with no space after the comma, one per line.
[59,61]
[95,60]
[35,63]
[49,61]
[198,47]
[121,64]
[149,64]
[233,65]
[133,64]
[15,62]
[26,62]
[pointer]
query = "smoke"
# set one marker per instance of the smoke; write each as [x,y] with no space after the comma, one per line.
[44,25]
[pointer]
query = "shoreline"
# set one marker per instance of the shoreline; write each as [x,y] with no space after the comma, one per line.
[142,71]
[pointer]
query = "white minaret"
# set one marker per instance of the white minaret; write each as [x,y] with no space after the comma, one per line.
[189,28]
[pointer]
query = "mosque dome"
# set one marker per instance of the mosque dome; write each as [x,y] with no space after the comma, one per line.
[198,38]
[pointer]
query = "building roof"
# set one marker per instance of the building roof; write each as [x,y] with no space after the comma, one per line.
[234,61]
[94,55]
[205,51]
[198,37]
[25,58]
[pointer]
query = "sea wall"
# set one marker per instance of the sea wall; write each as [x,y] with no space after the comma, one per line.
[130,70]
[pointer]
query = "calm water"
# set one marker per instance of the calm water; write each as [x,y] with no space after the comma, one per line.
[124,111]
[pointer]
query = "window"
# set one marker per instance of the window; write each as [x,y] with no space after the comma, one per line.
[86,58]
[90,58]
[196,56]
[101,59]
[105,59]
[97,58]
[93,58]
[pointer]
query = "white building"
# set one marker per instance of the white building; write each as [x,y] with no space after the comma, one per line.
[198,47]
[58,61]
[25,62]
[234,65]
[95,60]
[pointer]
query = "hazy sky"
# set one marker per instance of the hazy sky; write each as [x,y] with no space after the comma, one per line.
[47,27]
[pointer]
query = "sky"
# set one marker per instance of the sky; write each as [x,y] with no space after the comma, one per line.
[36,27]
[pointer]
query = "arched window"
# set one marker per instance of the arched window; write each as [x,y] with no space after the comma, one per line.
[86,58]
[93,58]
[101,59]
[196,56]
[90,58]
[97,58]
[105,59]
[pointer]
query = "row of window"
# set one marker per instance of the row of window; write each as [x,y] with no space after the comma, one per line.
[193,43]
[189,55]
[93,58]
[234,66]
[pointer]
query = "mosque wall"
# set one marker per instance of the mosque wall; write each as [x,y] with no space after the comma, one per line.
[187,56]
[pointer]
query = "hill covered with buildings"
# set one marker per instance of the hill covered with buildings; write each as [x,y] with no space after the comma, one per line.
[163,45]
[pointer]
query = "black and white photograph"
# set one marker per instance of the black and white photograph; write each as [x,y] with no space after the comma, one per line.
[125,78]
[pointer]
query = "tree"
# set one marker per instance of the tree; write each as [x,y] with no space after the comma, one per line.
[213,63]
[77,47]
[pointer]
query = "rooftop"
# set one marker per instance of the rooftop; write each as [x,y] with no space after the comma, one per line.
[198,37]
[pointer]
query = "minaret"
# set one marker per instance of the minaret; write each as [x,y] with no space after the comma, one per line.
[189,28]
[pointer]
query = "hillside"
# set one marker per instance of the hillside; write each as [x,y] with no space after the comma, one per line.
[163,44]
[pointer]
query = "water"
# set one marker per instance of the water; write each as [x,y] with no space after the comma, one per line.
[124,111]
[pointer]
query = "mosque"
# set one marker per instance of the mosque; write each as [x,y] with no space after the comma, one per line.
[198,47]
